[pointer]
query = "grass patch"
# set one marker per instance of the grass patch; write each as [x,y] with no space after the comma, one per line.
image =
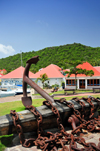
[7,106]
[5,141]
[37,102]
[71,92]
[70,97]
[17,105]
[62,92]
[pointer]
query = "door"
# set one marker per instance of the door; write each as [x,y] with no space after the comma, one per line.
[82,84]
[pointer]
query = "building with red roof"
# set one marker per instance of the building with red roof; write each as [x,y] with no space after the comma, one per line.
[83,81]
[54,73]
[15,77]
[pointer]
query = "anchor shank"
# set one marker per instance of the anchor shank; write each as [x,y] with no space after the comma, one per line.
[38,89]
[27,80]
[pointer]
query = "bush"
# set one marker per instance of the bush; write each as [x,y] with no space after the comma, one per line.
[55,85]
[46,86]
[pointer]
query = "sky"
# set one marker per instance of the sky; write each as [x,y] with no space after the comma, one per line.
[27,25]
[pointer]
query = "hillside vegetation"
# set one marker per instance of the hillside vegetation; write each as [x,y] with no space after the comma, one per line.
[59,55]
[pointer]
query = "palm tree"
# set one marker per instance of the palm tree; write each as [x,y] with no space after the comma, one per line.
[43,78]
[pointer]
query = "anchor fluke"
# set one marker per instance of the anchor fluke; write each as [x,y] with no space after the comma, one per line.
[27,101]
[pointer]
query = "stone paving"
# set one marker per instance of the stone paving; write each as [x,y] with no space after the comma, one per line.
[20,148]
[89,137]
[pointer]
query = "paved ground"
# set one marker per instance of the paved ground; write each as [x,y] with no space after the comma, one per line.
[11,98]
[18,97]
[20,148]
[90,137]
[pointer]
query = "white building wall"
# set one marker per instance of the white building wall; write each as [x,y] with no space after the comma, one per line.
[77,83]
[70,87]
[51,81]
[54,81]
[86,84]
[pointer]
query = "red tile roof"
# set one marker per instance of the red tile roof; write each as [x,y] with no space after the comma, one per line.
[52,71]
[97,68]
[86,66]
[17,73]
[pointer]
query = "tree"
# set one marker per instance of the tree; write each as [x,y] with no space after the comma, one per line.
[43,78]
[75,70]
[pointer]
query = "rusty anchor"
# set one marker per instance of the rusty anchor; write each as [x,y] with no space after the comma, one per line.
[27,101]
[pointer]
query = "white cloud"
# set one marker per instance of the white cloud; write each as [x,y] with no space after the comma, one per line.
[6,49]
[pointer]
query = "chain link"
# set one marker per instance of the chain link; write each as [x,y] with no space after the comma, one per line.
[23,141]
[48,141]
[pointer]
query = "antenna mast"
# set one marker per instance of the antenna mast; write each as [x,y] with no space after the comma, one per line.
[21,57]
[21,63]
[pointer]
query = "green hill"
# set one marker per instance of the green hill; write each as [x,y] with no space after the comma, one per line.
[59,55]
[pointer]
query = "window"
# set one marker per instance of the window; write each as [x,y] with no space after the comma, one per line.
[70,82]
[93,82]
[98,82]
[73,82]
[88,82]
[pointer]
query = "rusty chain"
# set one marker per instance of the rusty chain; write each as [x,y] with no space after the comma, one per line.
[89,125]
[23,141]
[89,100]
[69,137]
[49,141]
[38,117]
[82,105]
[43,137]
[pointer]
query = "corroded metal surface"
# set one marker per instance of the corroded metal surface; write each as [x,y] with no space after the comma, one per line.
[26,80]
